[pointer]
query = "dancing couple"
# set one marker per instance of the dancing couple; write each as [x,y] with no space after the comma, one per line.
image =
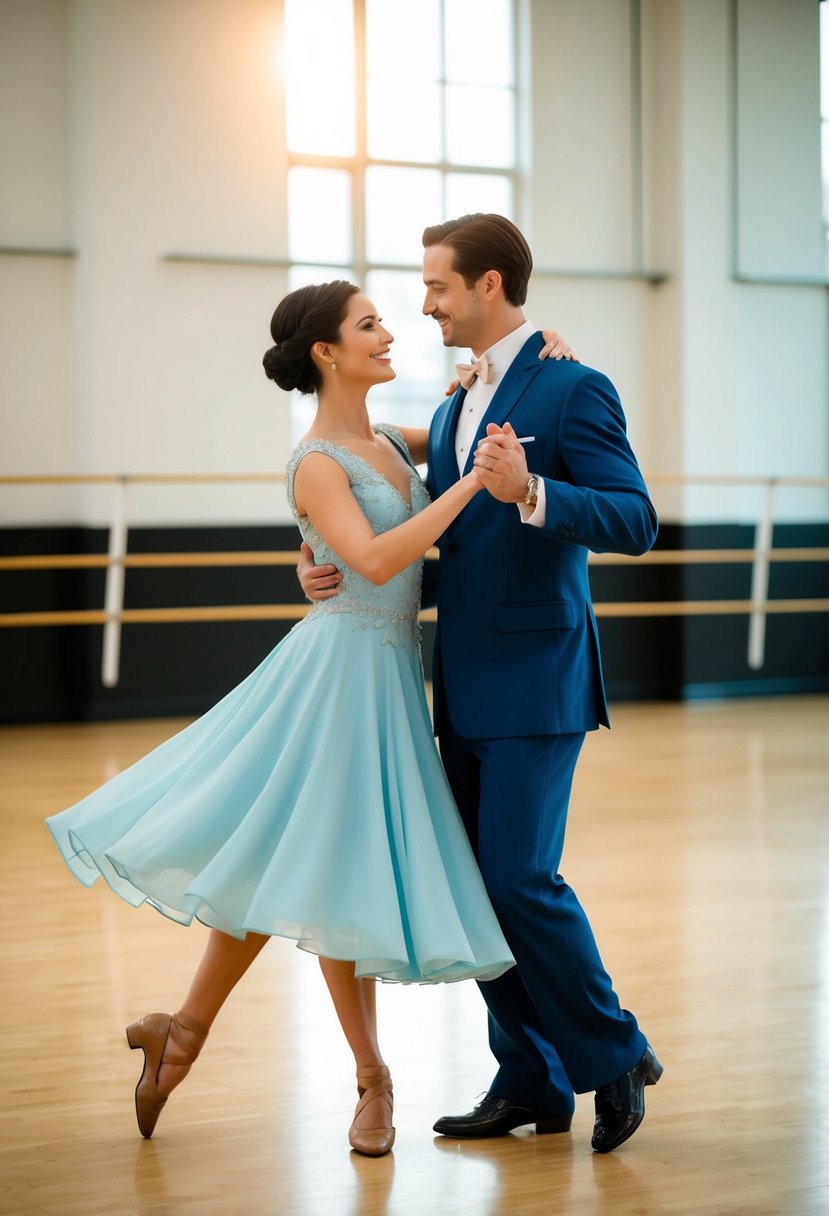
[311,802]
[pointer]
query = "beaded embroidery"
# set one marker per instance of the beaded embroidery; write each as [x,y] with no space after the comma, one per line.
[393,607]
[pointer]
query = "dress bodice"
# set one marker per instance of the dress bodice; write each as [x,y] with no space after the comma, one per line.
[393,607]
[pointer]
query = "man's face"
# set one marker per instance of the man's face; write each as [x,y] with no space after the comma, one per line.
[459,310]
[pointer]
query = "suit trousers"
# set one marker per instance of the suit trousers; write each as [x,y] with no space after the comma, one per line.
[555,1022]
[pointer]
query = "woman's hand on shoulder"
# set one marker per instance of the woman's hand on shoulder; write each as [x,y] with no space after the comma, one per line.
[556,348]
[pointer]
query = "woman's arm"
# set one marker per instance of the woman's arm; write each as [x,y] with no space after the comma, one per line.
[417,441]
[322,492]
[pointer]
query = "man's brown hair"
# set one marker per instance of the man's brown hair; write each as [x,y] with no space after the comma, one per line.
[482,242]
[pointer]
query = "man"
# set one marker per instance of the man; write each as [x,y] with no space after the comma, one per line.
[517,674]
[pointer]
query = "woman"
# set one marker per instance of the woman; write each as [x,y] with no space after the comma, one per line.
[311,802]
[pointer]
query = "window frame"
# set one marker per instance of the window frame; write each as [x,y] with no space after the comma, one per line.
[358,164]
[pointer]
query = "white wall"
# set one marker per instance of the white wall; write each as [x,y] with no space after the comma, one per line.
[581,115]
[34,123]
[776,81]
[717,376]
[133,128]
[755,391]
[173,145]
[37,420]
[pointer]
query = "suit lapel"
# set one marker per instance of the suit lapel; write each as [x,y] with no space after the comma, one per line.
[516,380]
[444,424]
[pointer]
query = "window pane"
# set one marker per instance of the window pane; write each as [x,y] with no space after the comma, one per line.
[399,205]
[403,121]
[479,126]
[319,215]
[418,354]
[479,42]
[302,276]
[468,192]
[403,39]
[319,77]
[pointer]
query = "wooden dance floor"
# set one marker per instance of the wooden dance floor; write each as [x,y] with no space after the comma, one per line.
[699,844]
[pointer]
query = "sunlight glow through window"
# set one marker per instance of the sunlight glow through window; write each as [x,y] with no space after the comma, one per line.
[400,113]
[320,76]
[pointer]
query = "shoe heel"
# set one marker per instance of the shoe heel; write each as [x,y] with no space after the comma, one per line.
[654,1073]
[556,1123]
[134,1036]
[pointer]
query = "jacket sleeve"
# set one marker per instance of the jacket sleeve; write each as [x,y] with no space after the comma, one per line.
[602,503]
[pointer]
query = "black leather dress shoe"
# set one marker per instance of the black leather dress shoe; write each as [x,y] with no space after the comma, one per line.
[495,1116]
[620,1106]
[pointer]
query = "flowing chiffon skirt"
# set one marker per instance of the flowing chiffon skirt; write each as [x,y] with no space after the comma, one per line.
[310,803]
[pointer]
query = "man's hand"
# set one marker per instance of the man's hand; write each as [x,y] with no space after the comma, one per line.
[317,582]
[501,464]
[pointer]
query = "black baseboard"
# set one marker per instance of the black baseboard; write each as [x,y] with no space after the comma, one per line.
[817,686]
[54,673]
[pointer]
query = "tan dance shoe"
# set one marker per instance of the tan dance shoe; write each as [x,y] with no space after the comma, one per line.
[151,1034]
[373,1141]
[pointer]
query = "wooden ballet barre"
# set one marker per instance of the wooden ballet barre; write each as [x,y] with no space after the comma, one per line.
[733,479]
[708,607]
[81,479]
[101,561]
[289,557]
[682,557]
[95,561]
[291,612]
[117,560]
[145,616]
[699,479]
[712,556]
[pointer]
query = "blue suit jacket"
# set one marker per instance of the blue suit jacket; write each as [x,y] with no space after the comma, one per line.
[517,649]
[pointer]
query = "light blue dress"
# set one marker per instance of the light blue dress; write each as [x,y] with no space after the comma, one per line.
[310,802]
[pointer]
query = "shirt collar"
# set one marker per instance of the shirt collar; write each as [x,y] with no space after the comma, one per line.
[501,354]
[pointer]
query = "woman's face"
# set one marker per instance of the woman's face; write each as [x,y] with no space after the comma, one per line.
[362,351]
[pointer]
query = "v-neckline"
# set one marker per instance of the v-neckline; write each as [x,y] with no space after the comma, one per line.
[355,456]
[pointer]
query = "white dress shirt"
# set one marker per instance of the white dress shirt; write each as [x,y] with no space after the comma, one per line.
[476,403]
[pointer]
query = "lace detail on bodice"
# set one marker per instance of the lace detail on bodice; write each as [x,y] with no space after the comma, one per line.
[393,607]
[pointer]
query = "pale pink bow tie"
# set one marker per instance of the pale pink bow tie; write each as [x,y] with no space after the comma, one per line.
[468,371]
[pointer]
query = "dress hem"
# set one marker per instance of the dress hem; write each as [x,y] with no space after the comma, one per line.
[308,938]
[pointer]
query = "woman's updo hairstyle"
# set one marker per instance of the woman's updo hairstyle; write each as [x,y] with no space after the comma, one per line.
[305,316]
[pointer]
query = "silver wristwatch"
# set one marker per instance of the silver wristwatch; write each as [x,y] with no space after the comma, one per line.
[531,496]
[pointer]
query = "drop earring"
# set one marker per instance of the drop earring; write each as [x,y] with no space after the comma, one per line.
[333,367]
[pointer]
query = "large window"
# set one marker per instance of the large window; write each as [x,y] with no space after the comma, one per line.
[400,113]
